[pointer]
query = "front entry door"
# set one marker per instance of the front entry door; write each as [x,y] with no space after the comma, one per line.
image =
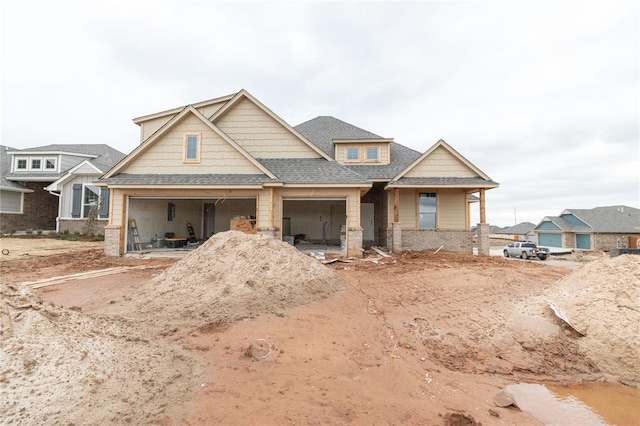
[366,221]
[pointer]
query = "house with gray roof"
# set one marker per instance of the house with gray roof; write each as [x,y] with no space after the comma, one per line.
[203,167]
[600,228]
[50,187]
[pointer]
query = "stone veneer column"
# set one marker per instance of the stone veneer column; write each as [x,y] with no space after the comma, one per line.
[112,240]
[484,243]
[354,242]
[396,237]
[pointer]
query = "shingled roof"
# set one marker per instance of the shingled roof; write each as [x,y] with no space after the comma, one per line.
[323,130]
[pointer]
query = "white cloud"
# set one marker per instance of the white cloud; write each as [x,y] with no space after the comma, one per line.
[548,89]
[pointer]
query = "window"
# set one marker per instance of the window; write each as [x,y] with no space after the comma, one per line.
[21,164]
[353,154]
[191,148]
[36,164]
[50,163]
[372,154]
[90,199]
[427,210]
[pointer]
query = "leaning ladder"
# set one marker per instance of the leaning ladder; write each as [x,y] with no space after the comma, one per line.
[134,236]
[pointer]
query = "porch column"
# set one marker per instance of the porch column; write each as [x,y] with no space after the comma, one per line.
[112,240]
[484,243]
[396,228]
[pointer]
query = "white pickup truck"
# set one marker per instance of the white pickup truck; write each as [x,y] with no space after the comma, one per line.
[525,250]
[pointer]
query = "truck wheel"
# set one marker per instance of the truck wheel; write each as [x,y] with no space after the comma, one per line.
[542,257]
[524,255]
[506,253]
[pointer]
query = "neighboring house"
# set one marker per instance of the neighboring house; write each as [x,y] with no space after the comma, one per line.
[216,161]
[523,231]
[50,187]
[600,228]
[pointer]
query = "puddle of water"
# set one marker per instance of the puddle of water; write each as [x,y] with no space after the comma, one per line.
[549,409]
[617,404]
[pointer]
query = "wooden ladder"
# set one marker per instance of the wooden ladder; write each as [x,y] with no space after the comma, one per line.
[134,236]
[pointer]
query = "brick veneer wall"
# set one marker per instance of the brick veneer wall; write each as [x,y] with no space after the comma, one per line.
[427,239]
[610,241]
[40,210]
[78,225]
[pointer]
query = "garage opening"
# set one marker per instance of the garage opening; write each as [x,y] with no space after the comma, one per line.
[184,223]
[315,224]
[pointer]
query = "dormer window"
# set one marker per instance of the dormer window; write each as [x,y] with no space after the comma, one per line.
[191,148]
[50,164]
[372,154]
[36,164]
[21,164]
[353,154]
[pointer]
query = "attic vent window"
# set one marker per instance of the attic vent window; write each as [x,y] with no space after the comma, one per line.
[353,154]
[192,148]
[373,154]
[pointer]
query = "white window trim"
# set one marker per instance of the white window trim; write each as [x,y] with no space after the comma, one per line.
[15,164]
[31,168]
[185,137]
[55,163]
[21,211]
[346,154]
[82,204]
[377,159]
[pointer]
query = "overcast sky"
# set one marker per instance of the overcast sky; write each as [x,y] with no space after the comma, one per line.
[543,96]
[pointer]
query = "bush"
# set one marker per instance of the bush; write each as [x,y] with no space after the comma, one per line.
[39,231]
[29,232]
[98,237]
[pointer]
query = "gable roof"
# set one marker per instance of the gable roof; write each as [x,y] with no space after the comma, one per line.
[174,111]
[189,109]
[606,219]
[521,228]
[243,94]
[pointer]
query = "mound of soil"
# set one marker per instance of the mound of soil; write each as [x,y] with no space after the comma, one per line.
[602,301]
[234,276]
[58,366]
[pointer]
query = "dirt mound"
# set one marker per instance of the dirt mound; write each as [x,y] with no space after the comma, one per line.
[602,300]
[60,366]
[233,276]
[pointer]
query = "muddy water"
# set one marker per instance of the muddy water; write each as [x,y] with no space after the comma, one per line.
[616,404]
[539,402]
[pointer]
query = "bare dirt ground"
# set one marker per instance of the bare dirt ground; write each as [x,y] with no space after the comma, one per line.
[419,338]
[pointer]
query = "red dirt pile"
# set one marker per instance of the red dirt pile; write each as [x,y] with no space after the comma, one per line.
[234,276]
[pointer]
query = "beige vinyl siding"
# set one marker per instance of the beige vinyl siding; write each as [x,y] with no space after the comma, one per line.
[260,134]
[408,207]
[149,127]
[451,208]
[165,155]
[451,213]
[209,110]
[66,195]
[441,163]
[383,153]
[10,202]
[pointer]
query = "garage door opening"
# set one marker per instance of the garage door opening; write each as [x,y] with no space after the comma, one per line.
[315,225]
[184,223]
